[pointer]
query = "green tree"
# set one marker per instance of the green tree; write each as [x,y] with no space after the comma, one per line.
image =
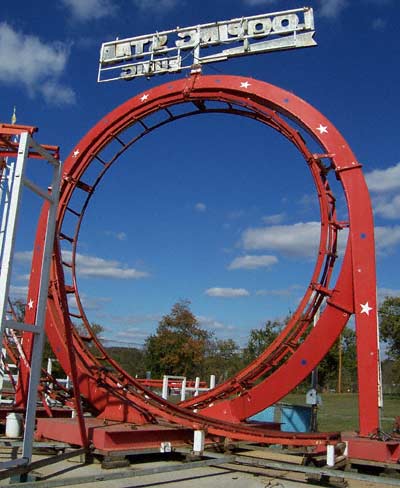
[223,359]
[179,345]
[349,360]
[328,368]
[389,317]
[390,377]
[260,339]
[131,359]
[18,307]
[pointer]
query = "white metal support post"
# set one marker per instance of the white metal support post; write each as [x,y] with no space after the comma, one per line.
[2,370]
[8,240]
[11,220]
[5,193]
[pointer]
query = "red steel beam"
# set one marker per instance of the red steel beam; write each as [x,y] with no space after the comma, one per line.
[354,292]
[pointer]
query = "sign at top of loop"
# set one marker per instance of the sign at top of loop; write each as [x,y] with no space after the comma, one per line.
[183,48]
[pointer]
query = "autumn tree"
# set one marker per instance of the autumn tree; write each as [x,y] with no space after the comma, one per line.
[179,345]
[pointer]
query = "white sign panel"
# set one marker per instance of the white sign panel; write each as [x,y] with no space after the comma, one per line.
[189,47]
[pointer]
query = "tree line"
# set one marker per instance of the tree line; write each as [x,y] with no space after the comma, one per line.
[181,347]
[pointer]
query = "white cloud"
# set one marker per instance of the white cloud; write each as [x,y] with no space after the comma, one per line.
[55,93]
[254,3]
[274,219]
[386,238]
[302,239]
[253,262]
[133,333]
[133,337]
[379,24]
[379,3]
[236,214]
[200,207]
[88,303]
[23,277]
[18,291]
[157,6]
[211,323]
[388,207]
[309,201]
[299,239]
[23,256]
[92,266]
[384,180]
[227,292]
[26,60]
[83,10]
[387,292]
[130,320]
[332,8]
[281,292]
[384,183]
[120,236]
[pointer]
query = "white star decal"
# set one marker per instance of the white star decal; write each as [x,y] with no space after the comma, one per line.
[76,152]
[144,97]
[322,129]
[365,308]
[30,304]
[244,84]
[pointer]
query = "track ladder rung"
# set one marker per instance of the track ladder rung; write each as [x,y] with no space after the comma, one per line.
[73,211]
[100,160]
[65,237]
[75,315]
[84,186]
[86,338]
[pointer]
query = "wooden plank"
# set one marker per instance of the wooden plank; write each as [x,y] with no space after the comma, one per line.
[274,455]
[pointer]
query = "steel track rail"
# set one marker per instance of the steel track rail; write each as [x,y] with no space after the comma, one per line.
[298,348]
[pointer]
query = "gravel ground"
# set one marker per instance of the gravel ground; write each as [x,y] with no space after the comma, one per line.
[223,476]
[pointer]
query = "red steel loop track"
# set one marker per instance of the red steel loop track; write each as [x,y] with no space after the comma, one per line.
[115,395]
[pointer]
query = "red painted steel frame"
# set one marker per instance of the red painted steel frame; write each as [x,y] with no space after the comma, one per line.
[300,347]
[9,147]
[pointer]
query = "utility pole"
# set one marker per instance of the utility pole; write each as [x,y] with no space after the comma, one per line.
[340,352]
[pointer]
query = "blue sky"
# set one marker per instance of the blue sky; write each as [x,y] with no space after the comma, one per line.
[215,209]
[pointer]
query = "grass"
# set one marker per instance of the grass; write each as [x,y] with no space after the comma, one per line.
[339,412]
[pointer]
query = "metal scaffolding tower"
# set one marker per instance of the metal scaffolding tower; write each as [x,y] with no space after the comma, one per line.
[17,147]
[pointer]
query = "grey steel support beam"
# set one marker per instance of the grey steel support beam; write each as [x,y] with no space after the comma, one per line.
[38,341]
